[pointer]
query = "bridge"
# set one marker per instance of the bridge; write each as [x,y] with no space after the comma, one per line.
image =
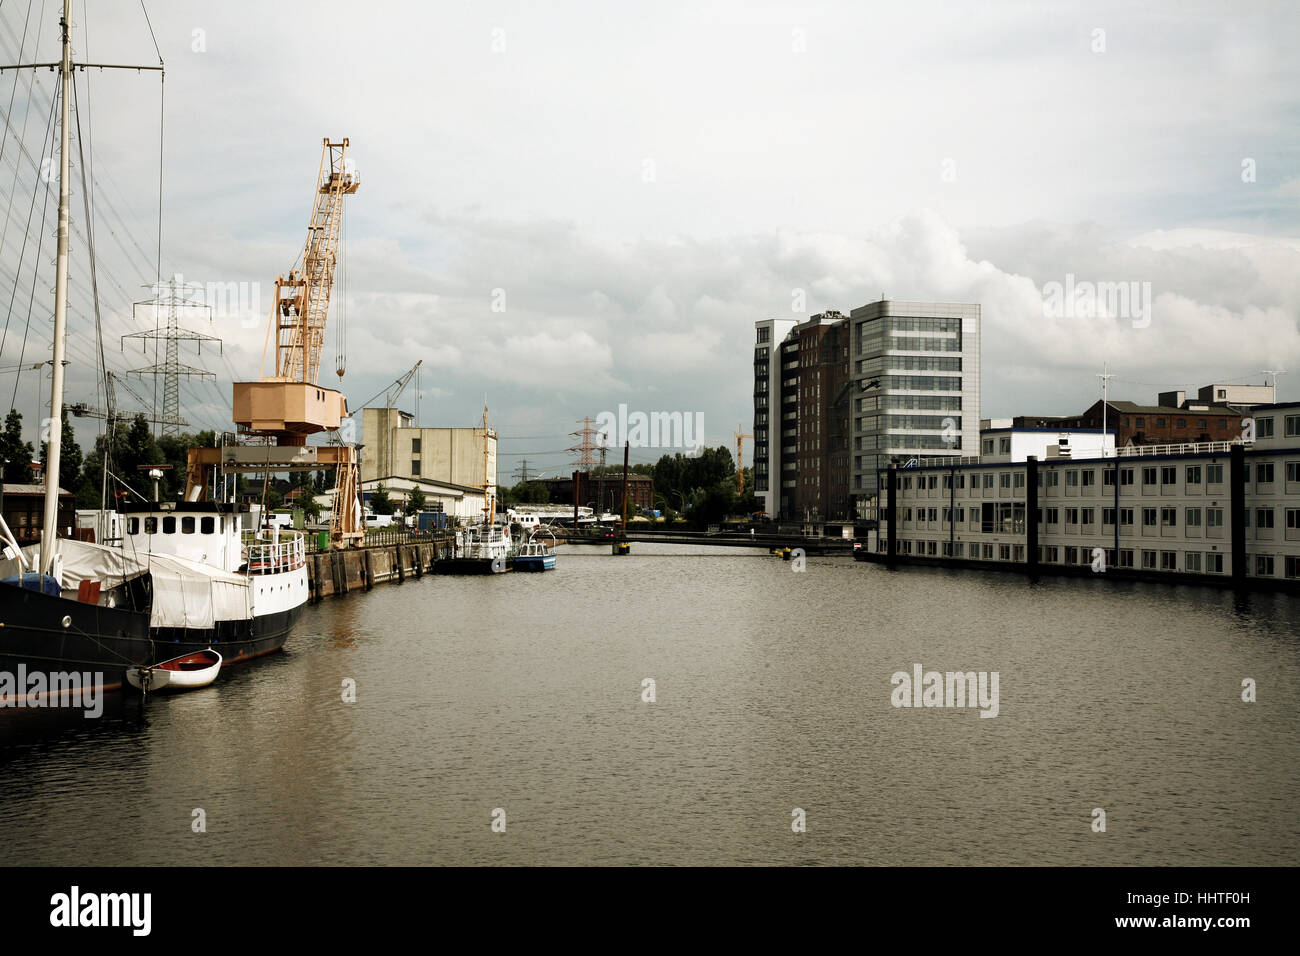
[726,539]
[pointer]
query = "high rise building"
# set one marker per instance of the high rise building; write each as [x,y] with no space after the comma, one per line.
[768,338]
[822,442]
[915,368]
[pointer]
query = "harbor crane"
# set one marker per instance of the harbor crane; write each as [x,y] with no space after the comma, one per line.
[279,412]
[112,413]
[391,393]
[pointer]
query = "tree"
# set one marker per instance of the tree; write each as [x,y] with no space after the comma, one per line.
[414,502]
[17,454]
[380,503]
[69,457]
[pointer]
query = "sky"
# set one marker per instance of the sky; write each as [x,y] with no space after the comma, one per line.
[569,206]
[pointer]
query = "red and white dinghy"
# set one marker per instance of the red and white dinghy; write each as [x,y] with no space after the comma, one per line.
[180,673]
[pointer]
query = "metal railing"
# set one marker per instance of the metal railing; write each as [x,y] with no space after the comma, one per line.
[1185,448]
[264,556]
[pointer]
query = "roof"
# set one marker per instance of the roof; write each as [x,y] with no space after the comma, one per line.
[392,481]
[17,489]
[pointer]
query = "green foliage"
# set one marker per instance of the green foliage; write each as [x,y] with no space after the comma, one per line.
[529,493]
[17,454]
[414,502]
[380,503]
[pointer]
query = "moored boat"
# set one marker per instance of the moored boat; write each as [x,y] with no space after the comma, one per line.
[535,555]
[478,549]
[180,673]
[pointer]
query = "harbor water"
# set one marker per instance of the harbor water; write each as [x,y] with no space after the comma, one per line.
[523,699]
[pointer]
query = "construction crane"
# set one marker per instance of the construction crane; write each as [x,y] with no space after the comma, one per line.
[112,413]
[283,409]
[740,459]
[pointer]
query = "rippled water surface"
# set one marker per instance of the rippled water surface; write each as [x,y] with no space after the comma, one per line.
[523,692]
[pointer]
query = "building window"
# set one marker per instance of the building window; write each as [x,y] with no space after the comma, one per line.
[1149,560]
[1193,517]
[1004,480]
[415,467]
[1264,565]
[1126,517]
[1148,517]
[1107,516]
[1168,517]
[415,446]
[1072,478]
[1193,474]
[1292,426]
[1089,478]
[1264,473]
[1263,517]
[1214,517]
[1125,476]
[1214,474]
[1168,475]
[1168,560]
[1192,561]
[1263,428]
[1148,476]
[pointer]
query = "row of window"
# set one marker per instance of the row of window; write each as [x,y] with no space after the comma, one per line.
[1264,473]
[1194,562]
[205,525]
[1151,517]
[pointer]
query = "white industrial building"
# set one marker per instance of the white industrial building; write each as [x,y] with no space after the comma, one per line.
[1161,509]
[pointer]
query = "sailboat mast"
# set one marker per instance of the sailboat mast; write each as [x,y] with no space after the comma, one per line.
[49,530]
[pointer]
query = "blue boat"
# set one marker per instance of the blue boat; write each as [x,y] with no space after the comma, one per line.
[535,556]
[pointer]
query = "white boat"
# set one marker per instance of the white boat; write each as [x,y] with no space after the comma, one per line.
[180,673]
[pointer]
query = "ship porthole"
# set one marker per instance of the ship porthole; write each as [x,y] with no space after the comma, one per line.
[67,620]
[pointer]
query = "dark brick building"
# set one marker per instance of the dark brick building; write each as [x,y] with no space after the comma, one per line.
[821,491]
[603,492]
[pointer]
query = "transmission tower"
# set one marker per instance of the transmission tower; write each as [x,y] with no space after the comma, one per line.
[522,471]
[171,298]
[587,445]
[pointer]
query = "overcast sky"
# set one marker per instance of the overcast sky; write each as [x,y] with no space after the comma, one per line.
[645,181]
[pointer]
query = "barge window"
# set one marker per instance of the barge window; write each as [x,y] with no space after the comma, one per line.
[207,525]
[150,525]
[132,525]
[169,524]
[187,525]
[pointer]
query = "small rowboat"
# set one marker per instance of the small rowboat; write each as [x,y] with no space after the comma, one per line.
[180,673]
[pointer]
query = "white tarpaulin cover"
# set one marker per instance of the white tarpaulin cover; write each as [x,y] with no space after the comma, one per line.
[185,593]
